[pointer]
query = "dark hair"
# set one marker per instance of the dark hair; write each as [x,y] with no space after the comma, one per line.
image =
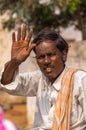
[54,36]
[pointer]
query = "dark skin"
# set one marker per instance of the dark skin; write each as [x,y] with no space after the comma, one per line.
[49,58]
[21,48]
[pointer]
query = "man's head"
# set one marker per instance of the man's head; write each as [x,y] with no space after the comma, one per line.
[53,36]
[51,53]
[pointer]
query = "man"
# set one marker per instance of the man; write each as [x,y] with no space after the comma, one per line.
[60,92]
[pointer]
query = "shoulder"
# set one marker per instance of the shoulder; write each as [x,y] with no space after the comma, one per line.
[80,78]
[80,74]
[77,72]
[79,84]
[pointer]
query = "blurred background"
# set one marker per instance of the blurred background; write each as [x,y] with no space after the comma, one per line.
[68,17]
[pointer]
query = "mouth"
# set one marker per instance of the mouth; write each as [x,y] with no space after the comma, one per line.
[48,70]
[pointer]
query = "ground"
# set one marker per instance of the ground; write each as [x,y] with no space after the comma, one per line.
[18,116]
[15,109]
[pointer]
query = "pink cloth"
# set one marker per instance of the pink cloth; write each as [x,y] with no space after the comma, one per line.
[2,127]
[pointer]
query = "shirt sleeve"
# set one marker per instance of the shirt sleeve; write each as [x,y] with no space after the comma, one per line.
[81,82]
[84,95]
[23,84]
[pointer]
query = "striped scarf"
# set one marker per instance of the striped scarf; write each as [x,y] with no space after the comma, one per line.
[64,101]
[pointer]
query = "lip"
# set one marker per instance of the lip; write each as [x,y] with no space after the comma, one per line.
[48,73]
[48,70]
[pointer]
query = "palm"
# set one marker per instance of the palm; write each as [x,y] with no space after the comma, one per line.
[21,47]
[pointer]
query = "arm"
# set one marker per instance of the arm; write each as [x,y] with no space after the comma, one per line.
[84,95]
[81,91]
[21,48]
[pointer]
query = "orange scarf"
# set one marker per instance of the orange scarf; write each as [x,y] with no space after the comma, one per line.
[64,101]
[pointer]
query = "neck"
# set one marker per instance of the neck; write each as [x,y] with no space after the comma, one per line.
[53,80]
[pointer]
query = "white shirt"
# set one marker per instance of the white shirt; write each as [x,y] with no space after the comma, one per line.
[36,84]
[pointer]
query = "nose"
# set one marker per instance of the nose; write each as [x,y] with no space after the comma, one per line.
[47,60]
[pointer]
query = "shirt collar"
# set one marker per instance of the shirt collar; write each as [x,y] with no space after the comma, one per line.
[57,83]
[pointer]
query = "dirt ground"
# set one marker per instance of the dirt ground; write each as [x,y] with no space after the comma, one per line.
[15,109]
[18,115]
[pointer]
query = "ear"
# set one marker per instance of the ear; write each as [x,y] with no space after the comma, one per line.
[64,55]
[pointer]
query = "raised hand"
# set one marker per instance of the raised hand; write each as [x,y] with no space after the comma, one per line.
[21,44]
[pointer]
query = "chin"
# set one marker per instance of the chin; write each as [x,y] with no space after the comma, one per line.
[50,77]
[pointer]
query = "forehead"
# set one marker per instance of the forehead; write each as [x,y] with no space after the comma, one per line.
[46,46]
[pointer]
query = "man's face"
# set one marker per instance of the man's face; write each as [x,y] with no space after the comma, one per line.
[50,59]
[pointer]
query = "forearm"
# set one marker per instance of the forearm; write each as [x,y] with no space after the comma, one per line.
[8,74]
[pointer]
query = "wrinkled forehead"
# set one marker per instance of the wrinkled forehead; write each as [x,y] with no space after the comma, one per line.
[46,46]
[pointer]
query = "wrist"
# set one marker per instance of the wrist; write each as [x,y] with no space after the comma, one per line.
[14,63]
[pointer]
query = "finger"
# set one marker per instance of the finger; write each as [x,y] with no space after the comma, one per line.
[29,38]
[24,31]
[19,33]
[13,37]
[31,47]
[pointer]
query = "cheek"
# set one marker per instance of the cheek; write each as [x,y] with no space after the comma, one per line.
[40,64]
[58,62]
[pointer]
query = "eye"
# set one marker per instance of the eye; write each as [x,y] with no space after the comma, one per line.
[51,54]
[40,57]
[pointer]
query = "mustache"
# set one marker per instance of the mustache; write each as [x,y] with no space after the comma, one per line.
[48,65]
